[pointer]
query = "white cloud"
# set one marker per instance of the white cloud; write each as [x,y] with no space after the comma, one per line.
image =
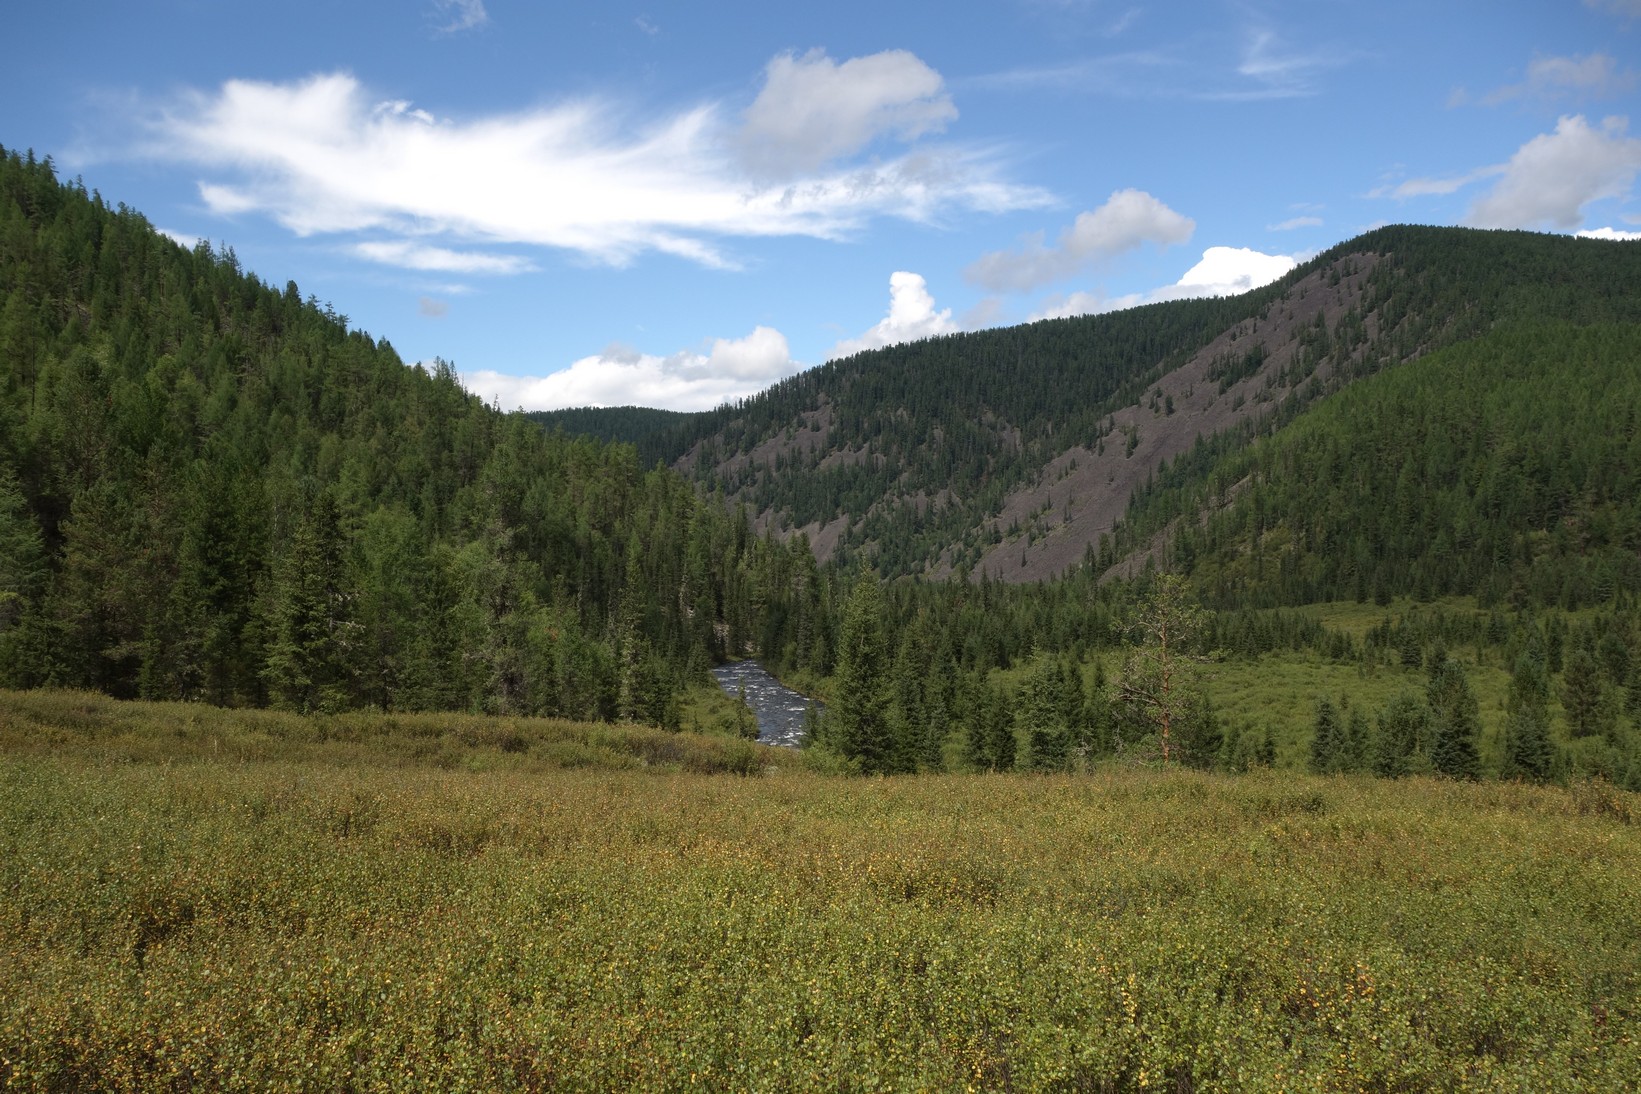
[433,309]
[1295,222]
[1065,306]
[463,14]
[1222,271]
[1553,176]
[1560,78]
[1128,219]
[182,238]
[320,156]
[1227,271]
[1631,8]
[415,256]
[1615,234]
[1281,72]
[813,110]
[1424,187]
[911,316]
[733,368]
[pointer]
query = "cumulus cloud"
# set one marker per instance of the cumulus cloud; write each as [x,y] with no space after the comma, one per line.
[182,238]
[462,15]
[813,110]
[1551,79]
[1222,271]
[1614,234]
[1554,176]
[321,156]
[1128,219]
[416,256]
[732,368]
[911,316]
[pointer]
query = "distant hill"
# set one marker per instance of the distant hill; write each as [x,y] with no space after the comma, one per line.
[1016,451]
[620,424]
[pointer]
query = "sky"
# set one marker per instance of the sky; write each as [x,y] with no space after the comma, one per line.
[679,204]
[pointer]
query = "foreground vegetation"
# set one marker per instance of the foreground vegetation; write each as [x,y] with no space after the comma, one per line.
[343,906]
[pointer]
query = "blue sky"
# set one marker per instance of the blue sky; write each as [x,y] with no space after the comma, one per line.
[676,204]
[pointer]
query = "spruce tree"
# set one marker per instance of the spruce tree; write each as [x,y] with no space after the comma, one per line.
[1041,715]
[1455,752]
[858,720]
[1584,692]
[1401,745]
[1529,753]
[1328,740]
[308,665]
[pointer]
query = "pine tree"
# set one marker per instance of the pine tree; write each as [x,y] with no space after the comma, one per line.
[1402,742]
[908,710]
[858,720]
[1359,741]
[1455,752]
[1159,682]
[1041,715]
[990,743]
[308,666]
[1328,740]
[1584,692]
[1529,753]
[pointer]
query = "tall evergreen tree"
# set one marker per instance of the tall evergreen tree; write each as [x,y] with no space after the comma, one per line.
[1402,742]
[309,664]
[1159,682]
[857,721]
[1455,752]
[1329,743]
[1529,753]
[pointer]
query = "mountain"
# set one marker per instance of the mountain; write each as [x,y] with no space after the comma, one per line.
[618,424]
[213,489]
[1016,452]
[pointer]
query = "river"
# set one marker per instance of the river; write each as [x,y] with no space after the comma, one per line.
[779,709]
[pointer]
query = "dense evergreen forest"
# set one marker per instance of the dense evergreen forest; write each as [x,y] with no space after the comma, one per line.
[915,449]
[624,424]
[214,489]
[1507,467]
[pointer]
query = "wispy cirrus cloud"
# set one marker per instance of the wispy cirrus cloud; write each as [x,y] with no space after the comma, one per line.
[1293,223]
[1276,69]
[1552,80]
[416,256]
[321,156]
[1426,187]
[460,15]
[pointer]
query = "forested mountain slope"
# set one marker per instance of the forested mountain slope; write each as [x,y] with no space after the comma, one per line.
[213,489]
[1507,467]
[1013,451]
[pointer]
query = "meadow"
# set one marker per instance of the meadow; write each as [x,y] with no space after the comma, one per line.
[194,899]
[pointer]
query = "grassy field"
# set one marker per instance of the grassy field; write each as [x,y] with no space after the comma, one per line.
[1281,691]
[193,899]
